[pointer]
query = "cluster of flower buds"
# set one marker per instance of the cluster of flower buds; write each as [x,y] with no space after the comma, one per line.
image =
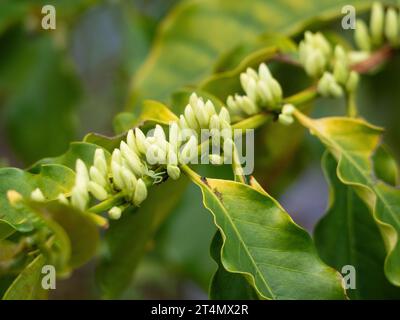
[383,25]
[139,154]
[262,91]
[286,115]
[314,53]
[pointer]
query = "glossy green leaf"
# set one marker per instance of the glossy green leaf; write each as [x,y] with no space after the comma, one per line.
[353,142]
[27,284]
[127,239]
[348,235]
[226,285]
[262,243]
[196,33]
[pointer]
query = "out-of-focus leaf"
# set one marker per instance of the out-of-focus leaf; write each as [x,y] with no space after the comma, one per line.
[52,180]
[27,284]
[127,238]
[227,285]
[352,142]
[43,99]
[385,166]
[82,232]
[196,33]
[348,235]
[262,243]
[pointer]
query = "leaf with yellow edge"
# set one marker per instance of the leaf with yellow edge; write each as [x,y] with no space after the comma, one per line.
[262,243]
[353,143]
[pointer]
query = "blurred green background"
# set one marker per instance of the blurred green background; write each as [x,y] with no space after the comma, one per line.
[105,57]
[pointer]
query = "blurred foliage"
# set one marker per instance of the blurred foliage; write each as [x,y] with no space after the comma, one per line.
[56,86]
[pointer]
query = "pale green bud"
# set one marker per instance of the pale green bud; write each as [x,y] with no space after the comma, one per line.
[141,142]
[276,90]
[191,118]
[132,159]
[156,155]
[140,192]
[201,114]
[252,73]
[173,171]
[232,105]
[376,23]
[210,109]
[315,63]
[174,135]
[37,195]
[79,198]
[288,109]
[116,156]
[131,141]
[251,89]
[182,122]
[228,148]
[225,129]
[264,72]
[216,159]
[115,213]
[392,26]
[248,105]
[361,36]
[62,199]
[324,84]
[335,89]
[82,175]
[244,80]
[172,157]
[117,175]
[224,115]
[96,176]
[100,161]
[193,99]
[285,119]
[159,133]
[352,82]
[322,44]
[189,150]
[340,54]
[129,179]
[14,197]
[214,122]
[340,72]
[264,92]
[97,191]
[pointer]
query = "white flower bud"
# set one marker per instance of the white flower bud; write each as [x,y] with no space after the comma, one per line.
[232,105]
[172,157]
[129,180]
[156,155]
[173,171]
[116,156]
[288,109]
[141,142]
[37,195]
[174,135]
[79,198]
[140,192]
[335,89]
[361,36]
[224,115]
[159,133]
[82,175]
[131,141]
[340,54]
[392,26]
[322,44]
[210,109]
[285,119]
[97,191]
[100,161]
[244,80]
[201,114]
[276,90]
[62,199]
[182,122]
[132,159]
[115,213]
[96,176]
[252,73]
[264,72]
[214,122]
[216,159]
[228,149]
[340,72]
[249,106]
[376,23]
[190,117]
[265,93]
[189,150]
[116,169]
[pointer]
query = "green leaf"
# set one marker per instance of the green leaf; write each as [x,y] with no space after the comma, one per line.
[52,180]
[353,142]
[348,235]
[27,284]
[226,285]
[385,166]
[196,33]
[41,94]
[127,238]
[262,243]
